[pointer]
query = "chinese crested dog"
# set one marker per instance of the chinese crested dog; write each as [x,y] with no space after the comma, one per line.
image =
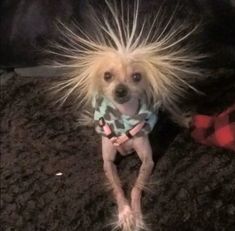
[124,69]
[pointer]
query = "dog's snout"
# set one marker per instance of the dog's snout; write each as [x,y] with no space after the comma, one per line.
[121,91]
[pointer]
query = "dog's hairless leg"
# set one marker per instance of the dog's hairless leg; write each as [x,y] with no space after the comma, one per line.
[144,151]
[125,216]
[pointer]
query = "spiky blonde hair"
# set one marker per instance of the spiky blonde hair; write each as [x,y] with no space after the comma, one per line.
[160,49]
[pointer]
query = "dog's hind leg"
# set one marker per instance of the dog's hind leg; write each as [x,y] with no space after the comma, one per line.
[144,151]
[125,216]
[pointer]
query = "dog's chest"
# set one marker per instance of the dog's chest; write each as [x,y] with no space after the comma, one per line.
[126,148]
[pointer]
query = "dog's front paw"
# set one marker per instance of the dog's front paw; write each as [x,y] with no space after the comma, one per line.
[126,219]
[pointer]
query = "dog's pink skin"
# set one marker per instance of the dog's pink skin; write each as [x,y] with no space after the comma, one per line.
[129,214]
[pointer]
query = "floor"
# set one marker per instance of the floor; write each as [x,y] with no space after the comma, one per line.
[52,177]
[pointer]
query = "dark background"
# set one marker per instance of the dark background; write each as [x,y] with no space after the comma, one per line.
[192,187]
[26,26]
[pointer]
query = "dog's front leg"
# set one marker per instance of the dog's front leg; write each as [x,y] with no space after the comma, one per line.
[144,151]
[125,216]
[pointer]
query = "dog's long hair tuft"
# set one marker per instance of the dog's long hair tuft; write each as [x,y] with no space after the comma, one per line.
[161,47]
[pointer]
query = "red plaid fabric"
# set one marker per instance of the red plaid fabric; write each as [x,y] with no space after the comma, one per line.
[218,130]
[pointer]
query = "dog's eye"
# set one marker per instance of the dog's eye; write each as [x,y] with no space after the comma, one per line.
[108,76]
[136,77]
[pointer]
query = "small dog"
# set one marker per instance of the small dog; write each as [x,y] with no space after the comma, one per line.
[124,71]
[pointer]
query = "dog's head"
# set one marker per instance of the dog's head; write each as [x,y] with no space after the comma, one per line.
[120,77]
[123,60]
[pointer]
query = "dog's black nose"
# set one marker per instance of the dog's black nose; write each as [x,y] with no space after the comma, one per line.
[121,91]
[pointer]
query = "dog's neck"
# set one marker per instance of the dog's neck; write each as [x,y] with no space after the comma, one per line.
[130,108]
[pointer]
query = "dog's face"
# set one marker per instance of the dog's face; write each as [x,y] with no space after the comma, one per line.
[121,79]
